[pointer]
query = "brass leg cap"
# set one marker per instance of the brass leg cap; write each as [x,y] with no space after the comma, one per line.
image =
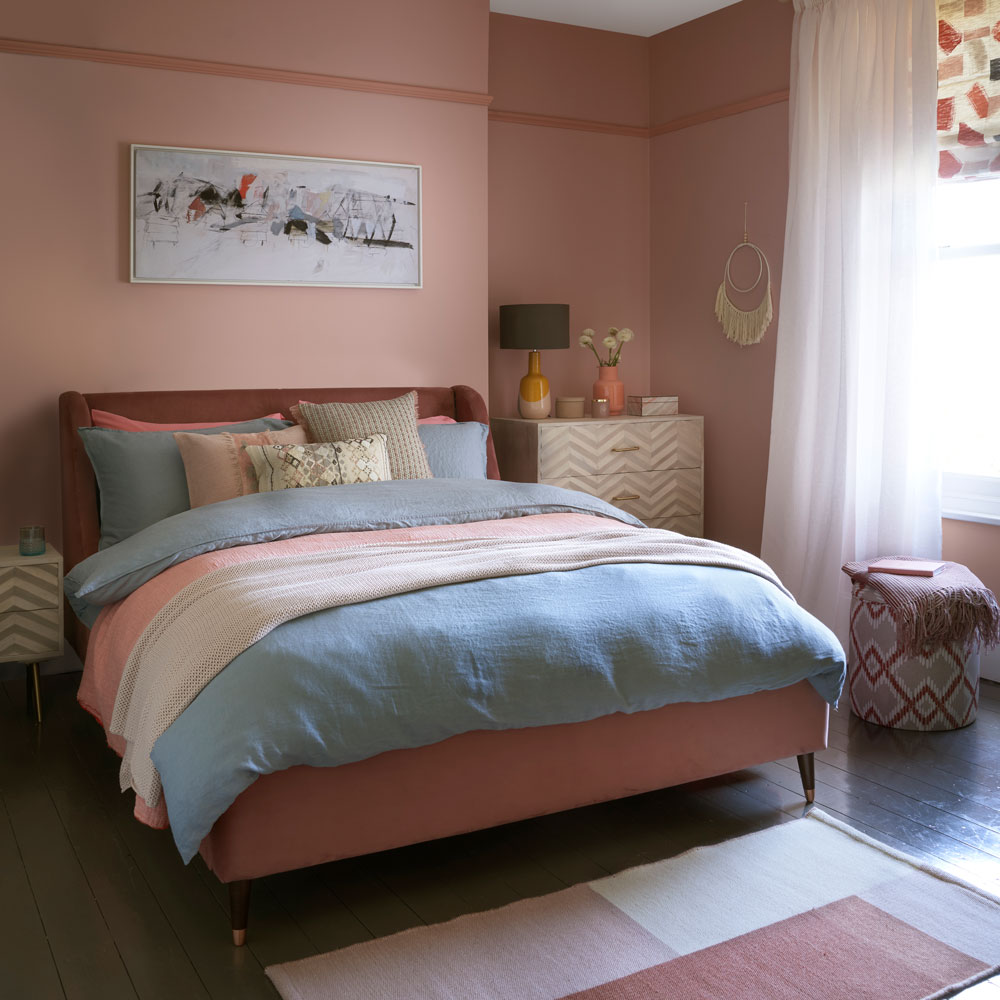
[811,795]
[239,937]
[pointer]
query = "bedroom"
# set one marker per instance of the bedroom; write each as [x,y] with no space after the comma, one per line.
[626,227]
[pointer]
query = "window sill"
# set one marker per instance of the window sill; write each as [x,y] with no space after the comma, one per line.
[970,498]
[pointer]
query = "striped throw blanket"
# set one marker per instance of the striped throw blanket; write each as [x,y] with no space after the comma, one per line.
[211,621]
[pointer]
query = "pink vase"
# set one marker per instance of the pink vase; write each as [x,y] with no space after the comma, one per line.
[610,387]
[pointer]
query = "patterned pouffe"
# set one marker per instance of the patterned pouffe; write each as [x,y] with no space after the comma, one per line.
[913,653]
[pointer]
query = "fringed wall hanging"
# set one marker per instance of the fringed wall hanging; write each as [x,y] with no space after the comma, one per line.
[745,327]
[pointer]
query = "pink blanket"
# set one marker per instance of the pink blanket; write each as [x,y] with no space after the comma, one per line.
[119,625]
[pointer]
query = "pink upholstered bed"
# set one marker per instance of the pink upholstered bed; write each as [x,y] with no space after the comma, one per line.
[308,815]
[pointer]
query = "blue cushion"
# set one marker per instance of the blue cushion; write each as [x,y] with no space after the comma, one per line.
[140,474]
[455,451]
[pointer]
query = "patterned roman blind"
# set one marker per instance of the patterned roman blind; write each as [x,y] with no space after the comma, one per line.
[968,109]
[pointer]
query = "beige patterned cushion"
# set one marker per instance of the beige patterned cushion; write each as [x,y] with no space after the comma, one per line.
[289,466]
[395,418]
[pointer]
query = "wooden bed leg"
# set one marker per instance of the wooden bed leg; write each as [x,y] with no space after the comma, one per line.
[807,769]
[239,909]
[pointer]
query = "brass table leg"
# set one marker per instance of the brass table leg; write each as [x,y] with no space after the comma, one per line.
[34,690]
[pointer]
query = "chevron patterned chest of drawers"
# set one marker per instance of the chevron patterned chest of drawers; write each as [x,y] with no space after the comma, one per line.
[648,466]
[31,605]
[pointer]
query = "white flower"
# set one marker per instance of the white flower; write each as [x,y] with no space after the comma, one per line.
[610,342]
[625,335]
[588,332]
[612,331]
[586,338]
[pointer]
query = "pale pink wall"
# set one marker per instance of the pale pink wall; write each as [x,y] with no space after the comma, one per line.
[433,43]
[567,71]
[569,210]
[699,179]
[71,320]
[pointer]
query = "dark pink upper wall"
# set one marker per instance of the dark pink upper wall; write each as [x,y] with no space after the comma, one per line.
[433,43]
[69,317]
[566,71]
[699,179]
[738,52]
[569,210]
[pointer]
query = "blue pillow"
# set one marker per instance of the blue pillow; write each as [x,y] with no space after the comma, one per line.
[140,474]
[455,451]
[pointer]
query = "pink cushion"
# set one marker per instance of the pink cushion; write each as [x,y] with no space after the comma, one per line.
[297,416]
[217,466]
[116,421]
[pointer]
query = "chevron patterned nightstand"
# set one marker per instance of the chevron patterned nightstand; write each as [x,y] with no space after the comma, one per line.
[31,612]
[648,466]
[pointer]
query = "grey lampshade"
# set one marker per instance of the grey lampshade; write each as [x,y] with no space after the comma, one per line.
[534,327]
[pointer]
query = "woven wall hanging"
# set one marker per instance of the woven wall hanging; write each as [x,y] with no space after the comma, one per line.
[742,326]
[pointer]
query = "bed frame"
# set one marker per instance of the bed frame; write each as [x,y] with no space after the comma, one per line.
[306,816]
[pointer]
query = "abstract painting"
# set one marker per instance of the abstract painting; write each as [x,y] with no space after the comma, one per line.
[220,217]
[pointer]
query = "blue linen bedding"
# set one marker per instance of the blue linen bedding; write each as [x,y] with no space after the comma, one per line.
[347,683]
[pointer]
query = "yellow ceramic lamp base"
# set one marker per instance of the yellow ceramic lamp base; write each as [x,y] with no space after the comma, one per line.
[533,399]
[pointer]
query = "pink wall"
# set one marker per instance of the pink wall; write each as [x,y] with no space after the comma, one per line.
[434,43]
[569,210]
[699,178]
[71,319]
[741,51]
[567,71]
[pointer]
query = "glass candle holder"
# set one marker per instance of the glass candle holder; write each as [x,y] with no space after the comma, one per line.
[31,541]
[599,408]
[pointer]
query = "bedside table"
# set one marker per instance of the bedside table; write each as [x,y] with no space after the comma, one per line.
[31,612]
[648,466]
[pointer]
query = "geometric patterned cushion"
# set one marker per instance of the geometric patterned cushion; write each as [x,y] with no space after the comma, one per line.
[395,418]
[935,690]
[289,466]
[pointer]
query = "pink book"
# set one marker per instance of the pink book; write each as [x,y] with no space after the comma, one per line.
[906,567]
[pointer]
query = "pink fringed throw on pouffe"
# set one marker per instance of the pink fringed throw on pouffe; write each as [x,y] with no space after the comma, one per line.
[913,655]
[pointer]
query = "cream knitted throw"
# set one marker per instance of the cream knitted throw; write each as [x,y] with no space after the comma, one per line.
[212,620]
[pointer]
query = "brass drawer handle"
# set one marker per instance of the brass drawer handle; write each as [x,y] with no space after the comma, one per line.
[632,447]
[630,496]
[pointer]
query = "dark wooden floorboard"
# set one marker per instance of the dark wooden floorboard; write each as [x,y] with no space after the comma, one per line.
[97,905]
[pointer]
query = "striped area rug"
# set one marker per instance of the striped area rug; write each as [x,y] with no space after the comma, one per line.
[808,909]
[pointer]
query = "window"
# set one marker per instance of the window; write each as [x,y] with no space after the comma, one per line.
[967,332]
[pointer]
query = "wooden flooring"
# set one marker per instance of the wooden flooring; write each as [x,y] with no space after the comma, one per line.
[92,904]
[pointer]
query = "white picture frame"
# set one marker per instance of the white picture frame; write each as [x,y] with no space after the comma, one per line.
[211,216]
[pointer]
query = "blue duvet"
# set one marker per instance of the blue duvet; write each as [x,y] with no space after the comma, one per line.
[347,683]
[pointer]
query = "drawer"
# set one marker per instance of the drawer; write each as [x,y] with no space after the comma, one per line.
[601,448]
[692,525]
[646,495]
[29,635]
[28,588]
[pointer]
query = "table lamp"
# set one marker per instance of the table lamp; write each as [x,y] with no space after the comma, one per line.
[534,328]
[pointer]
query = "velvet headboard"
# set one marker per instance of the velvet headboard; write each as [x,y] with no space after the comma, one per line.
[80,520]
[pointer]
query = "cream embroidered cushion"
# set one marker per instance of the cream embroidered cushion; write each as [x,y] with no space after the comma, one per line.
[395,418]
[289,466]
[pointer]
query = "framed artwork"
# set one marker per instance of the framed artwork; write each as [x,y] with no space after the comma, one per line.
[211,216]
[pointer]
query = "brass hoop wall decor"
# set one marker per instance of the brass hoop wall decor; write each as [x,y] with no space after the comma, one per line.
[743,326]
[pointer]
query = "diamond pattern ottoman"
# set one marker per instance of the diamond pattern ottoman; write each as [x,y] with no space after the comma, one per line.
[937,690]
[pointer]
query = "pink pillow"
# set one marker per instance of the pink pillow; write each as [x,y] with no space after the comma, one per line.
[297,416]
[217,466]
[116,421]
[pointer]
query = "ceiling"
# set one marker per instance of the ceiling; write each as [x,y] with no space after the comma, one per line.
[634,17]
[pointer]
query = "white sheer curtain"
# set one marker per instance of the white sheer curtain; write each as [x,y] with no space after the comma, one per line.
[852,474]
